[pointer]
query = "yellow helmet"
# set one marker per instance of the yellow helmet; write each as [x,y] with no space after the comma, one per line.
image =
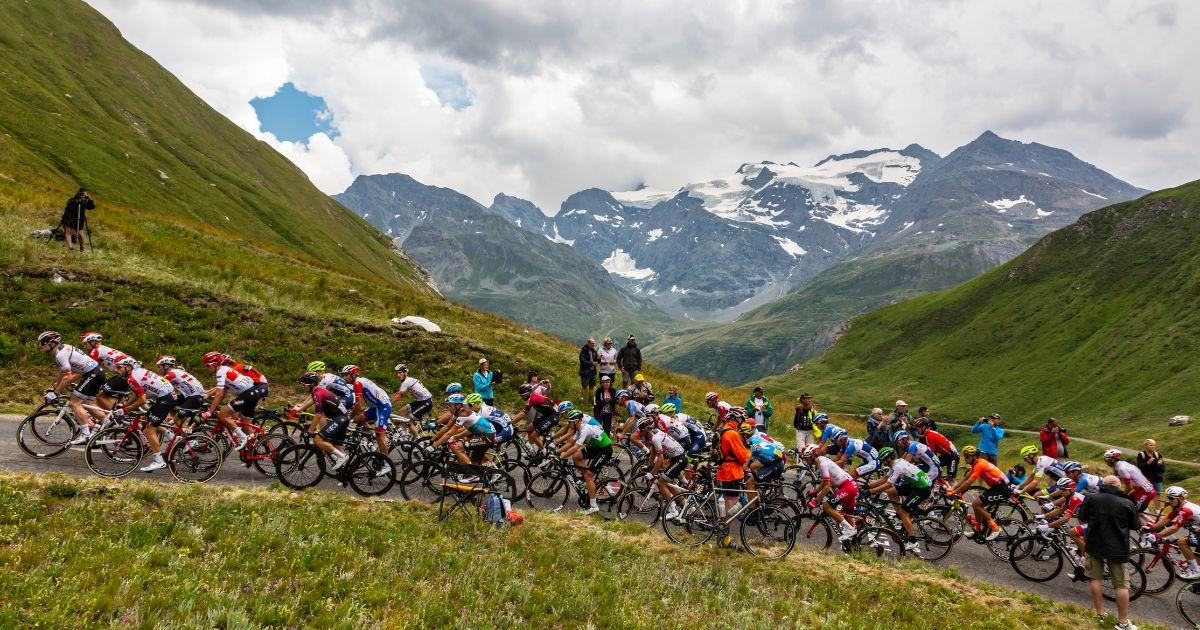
[970,450]
[1029,451]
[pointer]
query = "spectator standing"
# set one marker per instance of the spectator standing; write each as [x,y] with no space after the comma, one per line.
[605,402]
[673,397]
[1152,465]
[1054,439]
[74,218]
[482,379]
[803,422]
[759,409]
[899,419]
[629,359]
[608,359]
[878,434]
[926,414]
[589,361]
[990,435]
[1109,516]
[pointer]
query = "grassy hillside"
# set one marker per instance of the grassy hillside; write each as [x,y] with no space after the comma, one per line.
[212,556]
[290,276]
[1096,325]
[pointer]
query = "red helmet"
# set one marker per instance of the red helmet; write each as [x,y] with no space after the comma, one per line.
[91,336]
[212,358]
[350,370]
[711,397]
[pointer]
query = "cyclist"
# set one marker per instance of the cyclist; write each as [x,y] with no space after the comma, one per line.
[1044,466]
[83,371]
[633,409]
[1139,489]
[664,422]
[714,402]
[189,392]
[540,419]
[1085,483]
[734,459]
[246,390]
[333,382]
[589,447]
[115,387]
[329,407]
[378,407]
[853,447]
[907,486]
[696,440]
[917,453]
[767,456]
[1060,515]
[500,420]
[414,412]
[945,450]
[837,489]
[997,491]
[825,432]
[1184,518]
[153,388]
[469,435]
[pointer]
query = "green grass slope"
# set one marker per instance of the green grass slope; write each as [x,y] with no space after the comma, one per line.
[1096,324]
[157,555]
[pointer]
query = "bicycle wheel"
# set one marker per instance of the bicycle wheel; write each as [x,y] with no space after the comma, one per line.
[1159,570]
[266,448]
[548,491]
[44,435]
[505,484]
[644,503]
[1010,530]
[1035,558]
[114,452]
[520,474]
[413,480]
[1187,602]
[695,521]
[300,466]
[1137,582]
[370,474]
[813,531]
[768,531]
[934,538]
[194,458]
[877,542]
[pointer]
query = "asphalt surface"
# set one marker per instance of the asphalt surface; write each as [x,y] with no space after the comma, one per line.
[968,558]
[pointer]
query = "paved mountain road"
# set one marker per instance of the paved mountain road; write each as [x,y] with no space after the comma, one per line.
[968,558]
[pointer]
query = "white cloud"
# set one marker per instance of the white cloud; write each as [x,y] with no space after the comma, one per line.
[566,96]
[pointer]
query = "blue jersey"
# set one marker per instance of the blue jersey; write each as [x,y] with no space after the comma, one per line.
[925,459]
[860,449]
[1087,483]
[765,449]
[830,429]
[496,416]
[634,408]
[480,426]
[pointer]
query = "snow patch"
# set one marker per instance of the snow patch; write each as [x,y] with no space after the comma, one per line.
[557,238]
[654,235]
[1094,195]
[790,246]
[624,265]
[643,198]
[1002,205]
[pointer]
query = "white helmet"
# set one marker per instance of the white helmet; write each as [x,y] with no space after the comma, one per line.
[809,450]
[1175,492]
[91,336]
[652,408]
[128,362]
[1112,453]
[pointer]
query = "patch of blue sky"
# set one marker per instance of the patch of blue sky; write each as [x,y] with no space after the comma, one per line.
[294,115]
[449,86]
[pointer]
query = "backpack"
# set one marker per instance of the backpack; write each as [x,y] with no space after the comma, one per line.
[493,509]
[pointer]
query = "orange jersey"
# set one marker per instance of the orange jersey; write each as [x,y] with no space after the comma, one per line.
[987,472]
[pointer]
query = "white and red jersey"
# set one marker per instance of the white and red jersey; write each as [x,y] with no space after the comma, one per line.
[1130,474]
[831,472]
[367,391]
[184,383]
[665,444]
[419,392]
[1073,504]
[1187,515]
[722,410]
[249,370]
[233,380]
[72,359]
[675,429]
[148,384]
[107,356]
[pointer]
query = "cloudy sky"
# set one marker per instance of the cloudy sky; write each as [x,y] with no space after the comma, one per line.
[543,98]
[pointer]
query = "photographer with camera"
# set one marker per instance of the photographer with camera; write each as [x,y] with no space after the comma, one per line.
[74,218]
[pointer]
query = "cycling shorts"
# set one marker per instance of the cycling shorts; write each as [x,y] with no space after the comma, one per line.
[543,422]
[116,387]
[730,488]
[769,472]
[949,464]
[477,446]
[160,409]
[1142,498]
[503,436]
[933,471]
[675,465]
[597,457]
[335,430]
[911,498]
[247,401]
[868,467]
[997,494]
[188,405]
[695,446]
[418,408]
[380,415]
[845,495]
[87,387]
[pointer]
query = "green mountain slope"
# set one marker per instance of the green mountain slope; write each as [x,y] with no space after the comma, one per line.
[1095,324]
[234,249]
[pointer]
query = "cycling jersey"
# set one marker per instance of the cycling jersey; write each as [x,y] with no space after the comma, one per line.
[184,383]
[634,408]
[906,473]
[867,453]
[939,443]
[149,384]
[674,429]
[1073,504]
[339,386]
[987,472]
[107,356]
[371,394]
[696,432]
[418,390]
[1187,515]
[827,434]
[233,380]
[1048,466]
[765,449]
[1087,484]
[592,436]
[1130,474]
[925,458]
[72,359]
[328,403]
[831,472]
[722,410]
[475,424]
[665,444]
[251,371]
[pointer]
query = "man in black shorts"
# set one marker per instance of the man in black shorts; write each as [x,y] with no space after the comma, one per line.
[331,408]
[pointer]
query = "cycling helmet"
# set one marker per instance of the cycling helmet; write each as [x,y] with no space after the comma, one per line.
[453,388]
[165,360]
[622,393]
[1065,483]
[886,452]
[564,406]
[668,408]
[809,451]
[746,429]
[645,424]
[525,389]
[49,337]
[226,359]
[900,435]
[91,336]
[400,367]
[1029,451]
[349,370]
[736,414]
[456,399]
[1112,454]
[574,414]
[128,362]
[310,378]
[919,422]
[819,418]
[1071,466]
[711,397]
[1175,492]
[652,408]
[839,435]
[970,451]
[211,358]
[474,399]
[315,366]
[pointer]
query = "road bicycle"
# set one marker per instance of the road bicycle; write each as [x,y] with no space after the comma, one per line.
[47,432]
[1041,557]
[431,473]
[640,493]
[551,488]
[958,516]
[368,472]
[118,449]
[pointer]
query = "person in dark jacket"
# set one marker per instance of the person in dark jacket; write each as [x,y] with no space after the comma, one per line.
[1151,463]
[629,359]
[605,402]
[74,216]
[1109,516]
[1054,439]
[803,422]
[589,361]
[879,433]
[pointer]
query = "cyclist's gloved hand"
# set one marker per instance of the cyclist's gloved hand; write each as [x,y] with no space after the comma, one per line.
[1043,529]
[1149,539]
[206,415]
[118,412]
[49,395]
